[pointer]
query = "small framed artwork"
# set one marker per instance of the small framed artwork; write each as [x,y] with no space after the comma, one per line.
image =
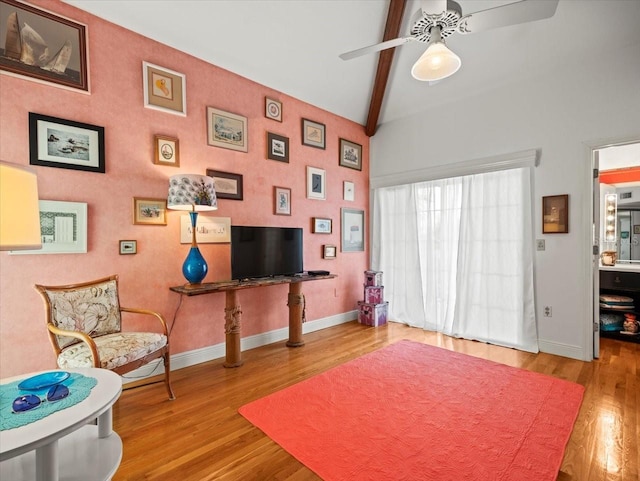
[329,251]
[350,154]
[56,52]
[149,211]
[636,229]
[164,89]
[277,147]
[166,151]
[321,225]
[555,214]
[349,190]
[316,181]
[281,201]
[227,130]
[209,230]
[272,109]
[228,185]
[352,237]
[128,247]
[66,144]
[313,134]
[63,228]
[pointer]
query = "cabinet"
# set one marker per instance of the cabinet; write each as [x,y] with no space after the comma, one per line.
[623,283]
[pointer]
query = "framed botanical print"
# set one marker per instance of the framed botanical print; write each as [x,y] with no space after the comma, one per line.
[350,154]
[281,201]
[316,179]
[149,211]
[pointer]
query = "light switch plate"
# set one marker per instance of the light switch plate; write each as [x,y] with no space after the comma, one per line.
[540,244]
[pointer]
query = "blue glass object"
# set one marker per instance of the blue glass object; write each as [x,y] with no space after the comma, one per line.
[195,267]
[42,381]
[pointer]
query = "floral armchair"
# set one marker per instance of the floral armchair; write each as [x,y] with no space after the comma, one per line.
[85,329]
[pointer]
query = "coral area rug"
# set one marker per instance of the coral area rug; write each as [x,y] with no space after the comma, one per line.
[411,411]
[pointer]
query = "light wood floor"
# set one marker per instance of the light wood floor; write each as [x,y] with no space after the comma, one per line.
[201,436]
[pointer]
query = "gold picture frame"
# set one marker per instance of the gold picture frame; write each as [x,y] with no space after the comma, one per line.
[148,211]
[555,214]
[166,151]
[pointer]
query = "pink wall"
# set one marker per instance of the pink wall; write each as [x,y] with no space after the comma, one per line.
[116,102]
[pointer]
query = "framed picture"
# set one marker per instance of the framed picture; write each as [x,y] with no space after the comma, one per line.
[352,237]
[128,247]
[149,211]
[313,134]
[329,251]
[164,89]
[281,201]
[166,151]
[277,147]
[272,109]
[555,214]
[321,225]
[316,180]
[209,230]
[349,190]
[636,229]
[63,228]
[350,154]
[57,52]
[55,142]
[227,130]
[228,185]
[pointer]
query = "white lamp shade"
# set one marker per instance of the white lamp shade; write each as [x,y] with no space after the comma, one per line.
[192,192]
[436,63]
[19,212]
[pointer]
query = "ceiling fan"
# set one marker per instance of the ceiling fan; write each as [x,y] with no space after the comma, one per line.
[438,19]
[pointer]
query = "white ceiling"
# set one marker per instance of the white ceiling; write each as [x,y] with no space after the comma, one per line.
[293,45]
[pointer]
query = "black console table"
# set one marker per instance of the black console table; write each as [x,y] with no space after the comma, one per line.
[233,312]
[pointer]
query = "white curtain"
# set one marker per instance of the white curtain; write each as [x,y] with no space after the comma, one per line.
[457,256]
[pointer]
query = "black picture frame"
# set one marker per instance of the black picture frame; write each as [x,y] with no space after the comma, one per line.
[350,154]
[65,144]
[228,185]
[277,147]
[59,33]
[313,134]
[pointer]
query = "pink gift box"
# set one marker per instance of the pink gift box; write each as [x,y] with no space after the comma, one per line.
[372,278]
[374,294]
[372,314]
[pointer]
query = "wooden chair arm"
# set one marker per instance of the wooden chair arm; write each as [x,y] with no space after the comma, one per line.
[150,313]
[80,336]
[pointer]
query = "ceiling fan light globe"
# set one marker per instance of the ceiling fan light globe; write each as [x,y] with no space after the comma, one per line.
[436,63]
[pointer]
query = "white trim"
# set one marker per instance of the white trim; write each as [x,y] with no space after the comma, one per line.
[217,351]
[561,349]
[525,158]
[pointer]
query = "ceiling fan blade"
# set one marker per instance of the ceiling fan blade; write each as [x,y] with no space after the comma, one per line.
[511,14]
[375,48]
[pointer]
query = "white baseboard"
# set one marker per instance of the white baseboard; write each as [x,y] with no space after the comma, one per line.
[560,349]
[197,356]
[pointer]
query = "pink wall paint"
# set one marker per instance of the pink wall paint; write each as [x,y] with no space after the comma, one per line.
[116,102]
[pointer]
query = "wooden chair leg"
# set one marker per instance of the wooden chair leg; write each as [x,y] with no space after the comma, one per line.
[167,379]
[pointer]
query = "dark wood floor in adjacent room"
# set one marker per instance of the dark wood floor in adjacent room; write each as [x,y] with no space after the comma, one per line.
[200,436]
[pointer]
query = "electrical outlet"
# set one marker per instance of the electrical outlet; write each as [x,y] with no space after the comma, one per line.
[548,311]
[540,244]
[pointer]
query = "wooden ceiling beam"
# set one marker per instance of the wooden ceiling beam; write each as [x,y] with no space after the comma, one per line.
[391,31]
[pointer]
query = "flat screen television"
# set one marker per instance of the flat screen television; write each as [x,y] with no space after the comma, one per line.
[265,251]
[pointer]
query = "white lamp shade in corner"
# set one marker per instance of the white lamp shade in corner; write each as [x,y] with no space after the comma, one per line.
[436,63]
[19,211]
[192,192]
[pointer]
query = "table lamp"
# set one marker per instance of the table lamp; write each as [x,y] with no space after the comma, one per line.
[194,193]
[19,212]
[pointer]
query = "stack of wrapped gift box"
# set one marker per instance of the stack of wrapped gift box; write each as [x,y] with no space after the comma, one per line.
[373,310]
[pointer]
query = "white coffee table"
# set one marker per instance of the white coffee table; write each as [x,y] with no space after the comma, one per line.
[63,445]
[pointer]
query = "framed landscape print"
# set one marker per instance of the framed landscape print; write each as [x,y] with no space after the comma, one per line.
[313,134]
[350,154]
[273,109]
[149,211]
[228,185]
[321,225]
[43,47]
[352,237]
[227,130]
[316,179]
[277,147]
[166,151]
[66,144]
[281,201]
[164,89]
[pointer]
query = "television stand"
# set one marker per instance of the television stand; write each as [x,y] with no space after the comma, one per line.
[232,310]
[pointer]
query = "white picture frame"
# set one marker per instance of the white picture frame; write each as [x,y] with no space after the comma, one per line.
[316,183]
[209,230]
[63,228]
[164,89]
[349,191]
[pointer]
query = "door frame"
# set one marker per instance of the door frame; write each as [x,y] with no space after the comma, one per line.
[592,234]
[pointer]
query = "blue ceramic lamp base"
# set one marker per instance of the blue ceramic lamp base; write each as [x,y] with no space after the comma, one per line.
[195,267]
